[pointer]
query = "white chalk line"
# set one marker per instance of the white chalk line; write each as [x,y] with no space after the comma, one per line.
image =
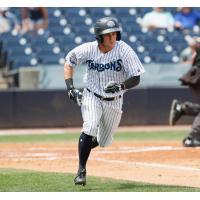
[37,151]
[129,163]
[140,149]
[57,156]
[142,164]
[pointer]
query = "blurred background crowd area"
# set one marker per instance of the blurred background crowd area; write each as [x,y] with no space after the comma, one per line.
[39,36]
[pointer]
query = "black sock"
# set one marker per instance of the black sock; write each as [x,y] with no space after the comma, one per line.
[94,142]
[84,148]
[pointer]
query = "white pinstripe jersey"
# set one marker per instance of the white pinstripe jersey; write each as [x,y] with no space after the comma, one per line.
[116,65]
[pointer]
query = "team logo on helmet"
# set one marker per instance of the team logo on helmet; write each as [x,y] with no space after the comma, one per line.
[110,24]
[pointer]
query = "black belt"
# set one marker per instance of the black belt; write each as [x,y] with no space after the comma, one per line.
[105,98]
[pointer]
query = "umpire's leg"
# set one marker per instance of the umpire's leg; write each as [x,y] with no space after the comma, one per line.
[195,129]
[190,108]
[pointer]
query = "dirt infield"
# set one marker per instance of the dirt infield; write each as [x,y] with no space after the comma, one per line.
[160,162]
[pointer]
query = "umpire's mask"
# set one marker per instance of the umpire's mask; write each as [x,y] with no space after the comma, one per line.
[106,25]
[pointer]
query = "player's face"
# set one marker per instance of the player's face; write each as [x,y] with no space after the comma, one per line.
[109,40]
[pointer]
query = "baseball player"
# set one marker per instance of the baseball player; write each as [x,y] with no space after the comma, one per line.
[112,68]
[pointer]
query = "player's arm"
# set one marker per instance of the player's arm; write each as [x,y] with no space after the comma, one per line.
[113,87]
[130,83]
[73,93]
[68,75]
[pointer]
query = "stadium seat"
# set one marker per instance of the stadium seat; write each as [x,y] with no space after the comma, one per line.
[51,59]
[23,60]
[122,12]
[69,27]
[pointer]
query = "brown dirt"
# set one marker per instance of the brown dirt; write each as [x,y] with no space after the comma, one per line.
[160,162]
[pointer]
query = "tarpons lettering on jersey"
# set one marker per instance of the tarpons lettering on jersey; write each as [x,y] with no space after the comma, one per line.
[115,65]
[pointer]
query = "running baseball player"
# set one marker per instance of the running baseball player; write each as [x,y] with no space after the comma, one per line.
[113,68]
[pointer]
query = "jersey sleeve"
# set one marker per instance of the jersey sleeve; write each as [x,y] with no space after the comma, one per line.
[77,55]
[132,64]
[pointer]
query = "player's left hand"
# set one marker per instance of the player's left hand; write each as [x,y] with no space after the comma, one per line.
[112,87]
[75,95]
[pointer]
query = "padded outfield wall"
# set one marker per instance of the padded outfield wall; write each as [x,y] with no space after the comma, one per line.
[52,108]
[49,106]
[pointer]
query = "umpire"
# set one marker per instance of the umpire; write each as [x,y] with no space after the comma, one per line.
[178,109]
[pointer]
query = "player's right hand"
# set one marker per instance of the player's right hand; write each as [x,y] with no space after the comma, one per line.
[75,95]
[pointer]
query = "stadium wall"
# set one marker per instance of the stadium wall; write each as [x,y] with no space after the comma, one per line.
[52,108]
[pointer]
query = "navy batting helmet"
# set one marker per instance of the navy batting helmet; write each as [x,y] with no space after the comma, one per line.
[106,25]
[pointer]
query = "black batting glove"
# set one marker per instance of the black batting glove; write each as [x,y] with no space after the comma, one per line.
[74,94]
[113,87]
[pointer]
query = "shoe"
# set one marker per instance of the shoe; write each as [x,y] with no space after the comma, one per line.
[191,142]
[175,112]
[80,178]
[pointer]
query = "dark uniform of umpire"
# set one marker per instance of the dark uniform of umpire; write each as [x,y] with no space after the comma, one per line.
[178,109]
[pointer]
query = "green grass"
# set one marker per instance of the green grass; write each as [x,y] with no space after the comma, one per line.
[32,181]
[44,138]
[151,135]
[39,138]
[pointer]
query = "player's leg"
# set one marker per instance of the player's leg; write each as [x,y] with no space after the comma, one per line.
[94,142]
[109,123]
[84,148]
[179,109]
[91,113]
[193,138]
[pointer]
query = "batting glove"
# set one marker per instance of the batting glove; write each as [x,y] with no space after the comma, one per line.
[113,87]
[75,95]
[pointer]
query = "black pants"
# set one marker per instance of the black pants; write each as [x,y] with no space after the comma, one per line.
[193,109]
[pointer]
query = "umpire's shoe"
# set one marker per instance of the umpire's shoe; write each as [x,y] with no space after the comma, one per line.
[191,142]
[175,112]
[80,178]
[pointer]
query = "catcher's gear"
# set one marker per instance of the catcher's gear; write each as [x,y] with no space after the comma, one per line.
[113,87]
[75,95]
[106,25]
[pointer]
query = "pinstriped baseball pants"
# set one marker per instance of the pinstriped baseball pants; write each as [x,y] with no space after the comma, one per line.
[100,118]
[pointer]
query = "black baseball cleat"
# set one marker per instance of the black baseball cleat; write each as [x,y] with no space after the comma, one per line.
[80,178]
[175,112]
[191,142]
